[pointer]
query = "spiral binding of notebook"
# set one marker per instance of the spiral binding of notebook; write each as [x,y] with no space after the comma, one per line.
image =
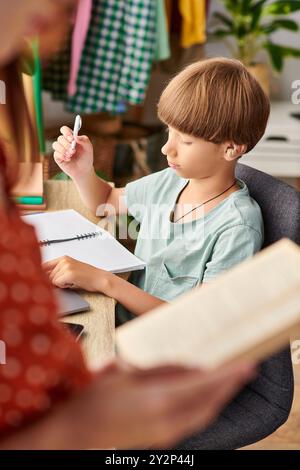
[80,237]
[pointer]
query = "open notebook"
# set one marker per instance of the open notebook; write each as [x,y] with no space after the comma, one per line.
[249,312]
[86,241]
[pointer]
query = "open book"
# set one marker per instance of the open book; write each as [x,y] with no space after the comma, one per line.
[248,312]
[67,233]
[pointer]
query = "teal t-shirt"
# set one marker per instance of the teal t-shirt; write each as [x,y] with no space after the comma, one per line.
[180,256]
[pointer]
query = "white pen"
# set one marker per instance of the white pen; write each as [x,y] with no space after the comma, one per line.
[77,127]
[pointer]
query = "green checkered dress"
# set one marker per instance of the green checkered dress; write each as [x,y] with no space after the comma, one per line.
[116,62]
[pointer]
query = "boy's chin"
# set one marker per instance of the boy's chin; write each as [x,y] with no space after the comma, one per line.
[183,173]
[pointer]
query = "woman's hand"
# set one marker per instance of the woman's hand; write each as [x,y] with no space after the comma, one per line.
[66,272]
[131,408]
[75,163]
[127,408]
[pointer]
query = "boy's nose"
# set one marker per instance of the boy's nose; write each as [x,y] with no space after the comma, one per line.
[168,150]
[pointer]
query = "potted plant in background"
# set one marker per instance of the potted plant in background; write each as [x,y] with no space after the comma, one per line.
[251,24]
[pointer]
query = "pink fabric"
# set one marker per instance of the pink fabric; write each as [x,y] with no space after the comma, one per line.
[81,27]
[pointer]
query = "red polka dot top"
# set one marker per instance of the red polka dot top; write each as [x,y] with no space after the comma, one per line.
[40,362]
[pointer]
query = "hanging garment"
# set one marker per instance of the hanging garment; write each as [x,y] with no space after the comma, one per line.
[116,62]
[168,10]
[31,76]
[162,51]
[82,22]
[180,56]
[193,14]
[37,90]
[207,8]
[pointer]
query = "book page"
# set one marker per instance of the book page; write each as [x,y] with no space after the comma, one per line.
[247,312]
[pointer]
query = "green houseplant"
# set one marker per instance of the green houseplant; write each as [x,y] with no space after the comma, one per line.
[251,23]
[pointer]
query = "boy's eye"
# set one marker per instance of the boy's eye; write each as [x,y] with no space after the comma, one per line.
[186,142]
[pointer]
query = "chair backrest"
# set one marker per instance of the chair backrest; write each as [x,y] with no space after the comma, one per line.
[280,206]
[279,203]
[264,405]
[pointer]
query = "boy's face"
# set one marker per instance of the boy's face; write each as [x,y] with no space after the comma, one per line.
[192,157]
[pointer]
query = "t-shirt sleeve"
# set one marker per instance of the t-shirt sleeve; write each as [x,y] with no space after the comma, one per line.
[233,246]
[138,196]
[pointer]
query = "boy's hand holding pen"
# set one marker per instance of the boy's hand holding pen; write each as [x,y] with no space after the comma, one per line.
[73,153]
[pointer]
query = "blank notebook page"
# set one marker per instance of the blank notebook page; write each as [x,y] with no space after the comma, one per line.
[103,251]
[61,224]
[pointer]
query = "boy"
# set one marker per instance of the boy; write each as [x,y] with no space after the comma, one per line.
[196,220]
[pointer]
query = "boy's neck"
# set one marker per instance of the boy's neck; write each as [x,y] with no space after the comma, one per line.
[204,188]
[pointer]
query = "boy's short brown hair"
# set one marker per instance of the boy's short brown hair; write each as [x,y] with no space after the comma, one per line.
[217,100]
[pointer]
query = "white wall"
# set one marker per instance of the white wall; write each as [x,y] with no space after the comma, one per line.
[292,66]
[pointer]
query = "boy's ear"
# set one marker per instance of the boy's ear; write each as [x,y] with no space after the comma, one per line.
[234,151]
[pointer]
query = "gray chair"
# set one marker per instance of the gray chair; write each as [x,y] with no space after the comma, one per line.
[264,405]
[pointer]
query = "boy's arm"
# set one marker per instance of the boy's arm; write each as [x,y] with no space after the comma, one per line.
[96,192]
[131,297]
[64,271]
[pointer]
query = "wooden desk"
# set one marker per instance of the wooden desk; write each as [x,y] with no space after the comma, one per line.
[99,322]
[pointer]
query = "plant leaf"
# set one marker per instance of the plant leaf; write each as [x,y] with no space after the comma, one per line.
[220,33]
[224,19]
[278,53]
[246,7]
[280,24]
[241,31]
[282,7]
[275,56]
[233,6]
[287,51]
[257,10]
